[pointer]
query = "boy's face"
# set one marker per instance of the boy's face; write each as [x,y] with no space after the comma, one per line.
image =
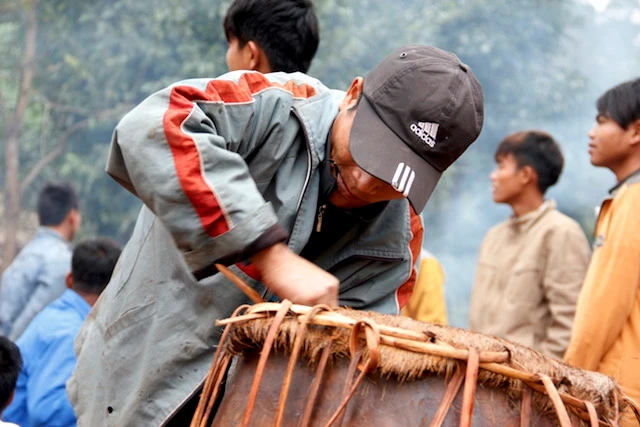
[507,182]
[608,143]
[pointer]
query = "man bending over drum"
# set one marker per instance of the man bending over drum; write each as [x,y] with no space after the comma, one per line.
[311,194]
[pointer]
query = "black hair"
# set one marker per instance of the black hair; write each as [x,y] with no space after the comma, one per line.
[55,201]
[92,264]
[10,366]
[286,30]
[536,149]
[621,103]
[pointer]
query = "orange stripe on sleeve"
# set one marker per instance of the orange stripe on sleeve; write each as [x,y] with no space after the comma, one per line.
[183,148]
[406,289]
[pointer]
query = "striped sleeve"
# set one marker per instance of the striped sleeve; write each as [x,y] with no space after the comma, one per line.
[182,151]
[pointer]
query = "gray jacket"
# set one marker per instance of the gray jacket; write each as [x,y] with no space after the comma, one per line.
[223,167]
[35,278]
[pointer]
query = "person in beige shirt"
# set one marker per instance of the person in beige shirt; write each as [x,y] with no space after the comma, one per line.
[531,266]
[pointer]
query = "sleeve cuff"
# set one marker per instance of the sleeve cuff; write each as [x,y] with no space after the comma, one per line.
[272,235]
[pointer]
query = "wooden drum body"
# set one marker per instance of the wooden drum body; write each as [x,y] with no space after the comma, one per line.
[313,366]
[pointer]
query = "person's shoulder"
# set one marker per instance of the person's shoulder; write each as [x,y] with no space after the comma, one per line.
[631,192]
[497,229]
[556,218]
[561,223]
[54,323]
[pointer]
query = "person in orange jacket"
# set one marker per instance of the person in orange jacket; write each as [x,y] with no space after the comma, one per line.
[427,303]
[606,331]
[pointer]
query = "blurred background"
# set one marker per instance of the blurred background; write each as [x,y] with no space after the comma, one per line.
[71,68]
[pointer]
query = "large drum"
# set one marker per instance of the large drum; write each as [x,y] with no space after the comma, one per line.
[313,366]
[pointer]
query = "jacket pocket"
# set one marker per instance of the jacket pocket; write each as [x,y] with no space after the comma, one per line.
[525,285]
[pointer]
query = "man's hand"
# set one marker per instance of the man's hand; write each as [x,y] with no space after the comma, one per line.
[294,278]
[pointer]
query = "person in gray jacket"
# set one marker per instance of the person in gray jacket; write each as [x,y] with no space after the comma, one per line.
[36,276]
[310,194]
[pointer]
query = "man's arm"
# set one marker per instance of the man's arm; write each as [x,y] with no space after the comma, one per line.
[182,152]
[610,289]
[49,284]
[47,400]
[18,283]
[566,264]
[294,278]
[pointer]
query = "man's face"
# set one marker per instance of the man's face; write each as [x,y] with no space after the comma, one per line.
[355,187]
[506,180]
[237,57]
[608,143]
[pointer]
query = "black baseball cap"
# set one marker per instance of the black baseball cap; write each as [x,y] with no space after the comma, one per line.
[420,110]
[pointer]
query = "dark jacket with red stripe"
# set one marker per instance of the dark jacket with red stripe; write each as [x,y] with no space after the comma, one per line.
[224,167]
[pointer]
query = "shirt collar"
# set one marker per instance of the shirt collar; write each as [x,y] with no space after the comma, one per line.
[76,302]
[524,222]
[634,177]
[50,232]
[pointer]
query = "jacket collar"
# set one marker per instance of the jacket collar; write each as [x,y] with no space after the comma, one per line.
[634,178]
[524,222]
[48,232]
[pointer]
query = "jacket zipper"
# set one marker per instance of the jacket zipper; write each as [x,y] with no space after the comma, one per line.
[308,177]
[267,294]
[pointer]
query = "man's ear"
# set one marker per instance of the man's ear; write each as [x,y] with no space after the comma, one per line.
[68,280]
[353,94]
[634,128]
[528,174]
[257,58]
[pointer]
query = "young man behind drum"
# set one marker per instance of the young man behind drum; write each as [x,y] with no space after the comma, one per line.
[606,333]
[531,266]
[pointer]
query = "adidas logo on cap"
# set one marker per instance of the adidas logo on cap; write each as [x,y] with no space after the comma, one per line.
[426,131]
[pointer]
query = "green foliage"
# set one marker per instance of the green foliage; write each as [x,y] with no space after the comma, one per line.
[541,64]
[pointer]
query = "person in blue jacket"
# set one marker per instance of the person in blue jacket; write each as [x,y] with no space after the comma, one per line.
[47,343]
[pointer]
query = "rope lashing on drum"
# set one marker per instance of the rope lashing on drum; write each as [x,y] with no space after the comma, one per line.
[212,383]
[447,398]
[552,391]
[264,355]
[297,346]
[315,386]
[470,383]
[525,407]
[634,407]
[470,379]
[372,337]
[593,415]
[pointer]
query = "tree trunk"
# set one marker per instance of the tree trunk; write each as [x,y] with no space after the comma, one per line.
[14,128]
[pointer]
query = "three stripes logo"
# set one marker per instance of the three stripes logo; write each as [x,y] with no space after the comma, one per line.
[426,131]
[403,179]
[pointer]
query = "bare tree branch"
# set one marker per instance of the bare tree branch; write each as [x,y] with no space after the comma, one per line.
[12,187]
[62,108]
[61,146]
